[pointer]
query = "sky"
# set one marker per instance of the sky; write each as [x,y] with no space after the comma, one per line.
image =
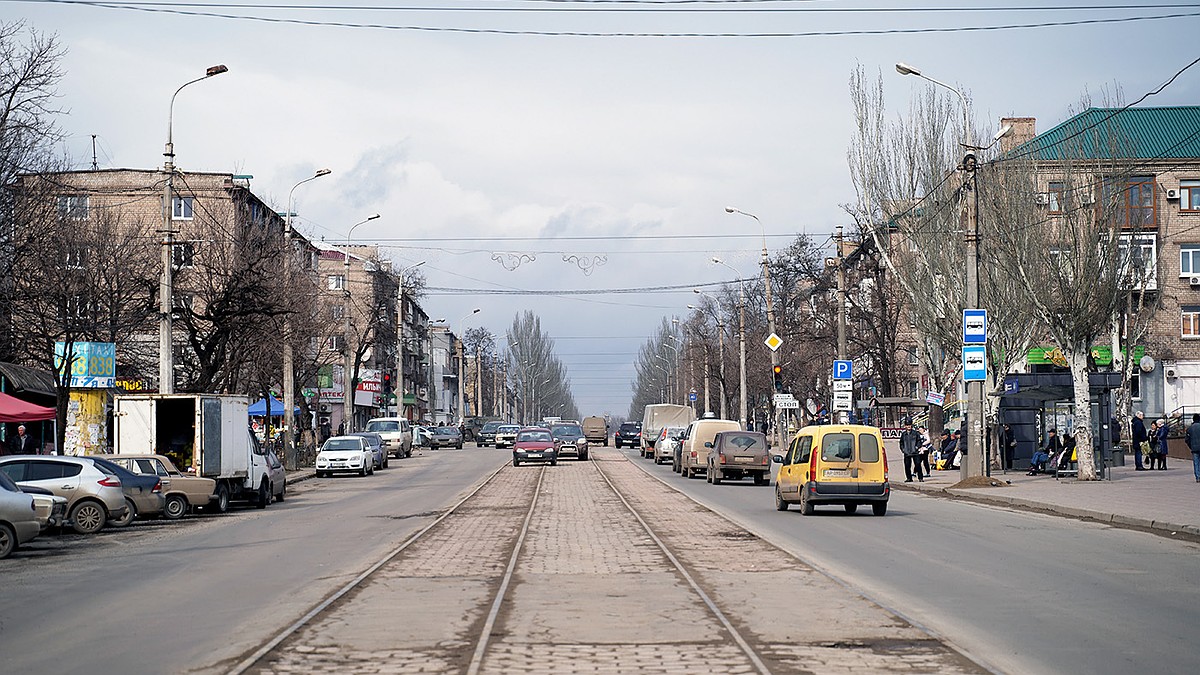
[510,156]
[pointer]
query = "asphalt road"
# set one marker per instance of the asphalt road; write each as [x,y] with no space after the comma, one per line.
[193,595]
[1020,592]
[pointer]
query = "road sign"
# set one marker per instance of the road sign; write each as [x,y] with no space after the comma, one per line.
[783,397]
[975,323]
[773,342]
[935,398]
[974,360]
[843,400]
[843,370]
[843,385]
[792,404]
[308,393]
[691,396]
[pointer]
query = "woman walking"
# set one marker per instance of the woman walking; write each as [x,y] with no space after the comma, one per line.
[1161,446]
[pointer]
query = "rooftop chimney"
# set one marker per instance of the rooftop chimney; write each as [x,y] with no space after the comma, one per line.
[1023,131]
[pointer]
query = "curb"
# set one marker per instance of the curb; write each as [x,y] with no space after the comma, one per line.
[1114,519]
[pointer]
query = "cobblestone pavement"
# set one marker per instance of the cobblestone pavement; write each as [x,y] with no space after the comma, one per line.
[593,593]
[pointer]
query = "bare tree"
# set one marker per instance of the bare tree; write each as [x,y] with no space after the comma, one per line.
[539,375]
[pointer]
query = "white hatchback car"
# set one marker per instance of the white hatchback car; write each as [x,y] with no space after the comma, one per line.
[346,454]
[668,440]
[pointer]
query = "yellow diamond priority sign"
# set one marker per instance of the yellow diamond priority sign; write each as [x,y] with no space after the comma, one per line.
[773,342]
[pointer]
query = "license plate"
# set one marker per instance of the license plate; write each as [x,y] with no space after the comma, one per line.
[837,473]
[338,464]
[743,460]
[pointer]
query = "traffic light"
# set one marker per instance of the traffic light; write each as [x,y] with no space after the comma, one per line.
[777,370]
[387,386]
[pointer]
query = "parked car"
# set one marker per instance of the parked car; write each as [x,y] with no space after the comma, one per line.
[278,477]
[506,435]
[535,444]
[629,433]
[51,509]
[345,454]
[143,494]
[182,492]
[377,447]
[700,434]
[446,437]
[739,454]
[18,517]
[668,442]
[396,432]
[93,493]
[487,434]
[834,464]
[571,440]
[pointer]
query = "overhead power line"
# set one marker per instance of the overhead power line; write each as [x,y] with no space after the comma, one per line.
[443,290]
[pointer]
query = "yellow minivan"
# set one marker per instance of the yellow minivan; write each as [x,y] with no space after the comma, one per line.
[834,464]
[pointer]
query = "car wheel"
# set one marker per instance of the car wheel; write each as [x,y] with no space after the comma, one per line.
[761,479]
[879,508]
[851,508]
[175,507]
[130,514]
[716,476]
[264,495]
[458,447]
[88,517]
[516,462]
[806,506]
[554,462]
[478,444]
[222,498]
[363,470]
[780,503]
[8,540]
[282,492]
[385,462]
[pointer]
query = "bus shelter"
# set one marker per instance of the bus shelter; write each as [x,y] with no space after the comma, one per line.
[1033,403]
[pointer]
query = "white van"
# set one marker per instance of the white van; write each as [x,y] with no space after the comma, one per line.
[396,433]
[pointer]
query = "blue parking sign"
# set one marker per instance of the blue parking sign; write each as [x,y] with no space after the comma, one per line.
[843,370]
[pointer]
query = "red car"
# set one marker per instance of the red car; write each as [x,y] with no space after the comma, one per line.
[535,444]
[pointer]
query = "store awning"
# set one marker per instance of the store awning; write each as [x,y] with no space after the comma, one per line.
[13,409]
[26,379]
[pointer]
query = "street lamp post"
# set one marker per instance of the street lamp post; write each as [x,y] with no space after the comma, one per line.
[720,346]
[347,358]
[766,266]
[976,464]
[743,413]
[678,388]
[289,371]
[400,338]
[462,380]
[166,354]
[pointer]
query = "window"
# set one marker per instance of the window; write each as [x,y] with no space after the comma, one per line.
[337,343]
[1189,260]
[1190,321]
[74,207]
[337,282]
[1135,206]
[1135,386]
[181,208]
[183,302]
[1057,197]
[183,256]
[1137,258]
[76,258]
[1189,195]
[913,359]
[837,447]
[868,448]
[337,311]
[801,450]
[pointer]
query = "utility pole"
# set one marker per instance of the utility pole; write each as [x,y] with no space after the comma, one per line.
[843,416]
[976,463]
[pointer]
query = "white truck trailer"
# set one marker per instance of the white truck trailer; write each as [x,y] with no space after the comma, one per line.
[206,434]
[659,415]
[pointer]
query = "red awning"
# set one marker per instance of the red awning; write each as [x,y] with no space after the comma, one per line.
[13,409]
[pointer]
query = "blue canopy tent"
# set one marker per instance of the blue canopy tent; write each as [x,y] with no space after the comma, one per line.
[259,408]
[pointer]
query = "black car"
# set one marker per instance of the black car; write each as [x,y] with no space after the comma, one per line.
[629,433]
[143,493]
[487,435]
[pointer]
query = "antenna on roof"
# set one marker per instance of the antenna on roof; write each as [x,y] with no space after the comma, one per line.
[95,166]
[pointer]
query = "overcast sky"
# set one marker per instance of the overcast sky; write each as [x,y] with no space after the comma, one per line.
[473,144]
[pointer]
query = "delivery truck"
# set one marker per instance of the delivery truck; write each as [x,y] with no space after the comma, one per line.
[659,415]
[205,434]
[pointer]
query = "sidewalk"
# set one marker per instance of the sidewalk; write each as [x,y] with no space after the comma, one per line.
[1160,500]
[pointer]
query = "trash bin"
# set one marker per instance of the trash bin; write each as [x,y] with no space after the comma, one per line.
[1118,456]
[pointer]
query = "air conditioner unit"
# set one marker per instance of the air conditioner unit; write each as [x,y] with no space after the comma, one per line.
[1041,198]
[1169,371]
[1194,281]
[1087,199]
[1172,194]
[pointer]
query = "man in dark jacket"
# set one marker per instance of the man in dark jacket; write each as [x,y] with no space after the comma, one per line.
[1193,442]
[1137,433]
[910,446]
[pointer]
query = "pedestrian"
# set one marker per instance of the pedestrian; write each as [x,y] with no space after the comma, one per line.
[1151,451]
[24,444]
[923,451]
[1161,449]
[341,428]
[1137,432]
[910,443]
[1008,446]
[1193,443]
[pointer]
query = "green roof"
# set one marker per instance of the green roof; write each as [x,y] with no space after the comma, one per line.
[1129,133]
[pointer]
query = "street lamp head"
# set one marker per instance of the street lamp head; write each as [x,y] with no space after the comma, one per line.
[373,216]
[692,307]
[441,320]
[475,311]
[730,209]
[715,260]
[322,172]
[1004,131]
[905,69]
[216,70]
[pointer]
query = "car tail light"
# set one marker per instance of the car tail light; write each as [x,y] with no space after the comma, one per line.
[694,454]
[766,460]
[883,453]
[721,456]
[157,487]
[110,481]
[812,465]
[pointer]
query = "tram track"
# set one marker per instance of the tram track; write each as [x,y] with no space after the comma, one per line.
[575,568]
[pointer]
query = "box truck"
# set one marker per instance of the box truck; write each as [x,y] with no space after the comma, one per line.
[205,434]
[659,415]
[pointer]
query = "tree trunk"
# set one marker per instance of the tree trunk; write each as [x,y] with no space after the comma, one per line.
[1082,430]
